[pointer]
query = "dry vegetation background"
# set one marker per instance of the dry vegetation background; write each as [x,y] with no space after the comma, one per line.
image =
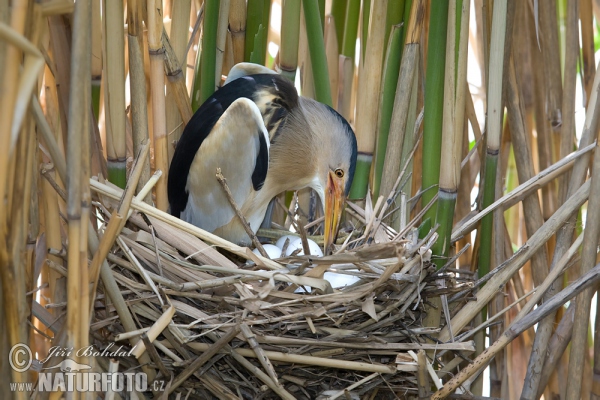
[465,115]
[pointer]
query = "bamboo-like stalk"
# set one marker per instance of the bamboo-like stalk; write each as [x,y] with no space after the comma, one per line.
[552,70]
[494,129]
[400,113]
[346,63]
[338,11]
[453,123]
[586,17]
[209,50]
[137,85]
[180,17]
[332,55]
[390,81]
[316,46]
[290,36]
[237,27]
[157,84]
[579,344]
[568,99]
[364,27]
[222,26]
[78,117]
[176,86]
[114,93]
[257,25]
[533,221]
[369,86]
[434,103]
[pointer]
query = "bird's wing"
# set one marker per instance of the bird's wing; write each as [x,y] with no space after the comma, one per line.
[238,144]
[283,97]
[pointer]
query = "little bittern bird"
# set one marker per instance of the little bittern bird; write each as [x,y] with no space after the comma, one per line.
[265,139]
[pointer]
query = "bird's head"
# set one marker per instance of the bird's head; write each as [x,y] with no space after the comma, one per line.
[334,155]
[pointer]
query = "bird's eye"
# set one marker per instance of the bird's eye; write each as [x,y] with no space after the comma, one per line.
[339,173]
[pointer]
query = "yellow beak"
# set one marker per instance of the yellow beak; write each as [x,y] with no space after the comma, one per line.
[334,205]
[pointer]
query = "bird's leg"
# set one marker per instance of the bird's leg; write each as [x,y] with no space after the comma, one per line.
[239,214]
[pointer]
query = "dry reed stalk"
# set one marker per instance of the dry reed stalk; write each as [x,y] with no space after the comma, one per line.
[10,80]
[453,121]
[307,87]
[568,98]
[155,330]
[400,114]
[290,32]
[524,190]
[586,17]
[157,85]
[542,125]
[114,90]
[222,28]
[591,235]
[237,27]
[176,86]
[586,280]
[178,36]
[503,272]
[260,353]
[239,214]
[117,221]
[332,54]
[137,85]
[78,117]
[548,39]
[52,230]
[369,84]
[316,361]
[204,358]
[533,220]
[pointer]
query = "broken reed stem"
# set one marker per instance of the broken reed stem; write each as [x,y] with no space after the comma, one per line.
[175,46]
[117,220]
[585,281]
[155,330]
[114,91]
[222,26]
[209,50]
[239,214]
[157,84]
[137,86]
[260,354]
[204,358]
[506,270]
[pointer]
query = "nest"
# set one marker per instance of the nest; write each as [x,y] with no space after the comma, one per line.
[222,325]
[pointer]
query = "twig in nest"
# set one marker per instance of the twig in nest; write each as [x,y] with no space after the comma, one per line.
[242,219]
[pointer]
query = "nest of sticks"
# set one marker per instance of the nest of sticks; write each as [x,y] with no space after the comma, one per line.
[218,321]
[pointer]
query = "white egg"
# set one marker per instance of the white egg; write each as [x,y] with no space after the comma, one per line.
[340,280]
[272,250]
[281,241]
[314,248]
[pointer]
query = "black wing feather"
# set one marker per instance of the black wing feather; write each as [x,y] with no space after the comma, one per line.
[205,118]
